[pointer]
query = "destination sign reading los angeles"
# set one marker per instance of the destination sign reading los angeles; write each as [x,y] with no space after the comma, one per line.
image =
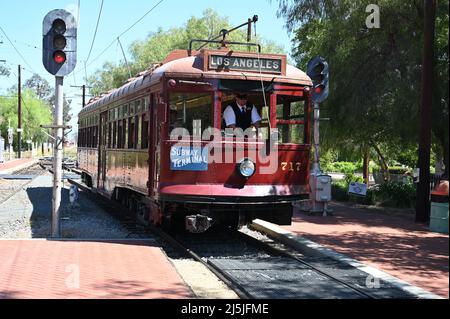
[243,63]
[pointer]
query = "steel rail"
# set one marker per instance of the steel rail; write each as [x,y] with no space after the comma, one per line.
[285,253]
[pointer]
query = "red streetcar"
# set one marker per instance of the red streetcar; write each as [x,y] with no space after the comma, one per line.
[159,144]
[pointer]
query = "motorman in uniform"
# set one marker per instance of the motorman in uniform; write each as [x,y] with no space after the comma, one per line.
[241,114]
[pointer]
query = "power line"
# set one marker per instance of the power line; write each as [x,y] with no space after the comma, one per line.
[23,69]
[115,39]
[154,7]
[16,49]
[28,45]
[96,29]
[78,13]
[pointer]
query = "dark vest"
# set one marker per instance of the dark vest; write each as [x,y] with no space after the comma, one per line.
[243,119]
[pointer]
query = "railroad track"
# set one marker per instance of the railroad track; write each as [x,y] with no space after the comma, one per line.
[19,180]
[257,267]
[114,209]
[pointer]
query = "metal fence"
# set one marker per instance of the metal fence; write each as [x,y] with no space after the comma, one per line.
[379,178]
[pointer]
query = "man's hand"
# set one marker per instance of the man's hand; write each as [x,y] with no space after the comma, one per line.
[257,125]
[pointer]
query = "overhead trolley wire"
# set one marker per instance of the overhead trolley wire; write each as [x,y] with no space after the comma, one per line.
[78,25]
[154,7]
[123,33]
[78,13]
[96,29]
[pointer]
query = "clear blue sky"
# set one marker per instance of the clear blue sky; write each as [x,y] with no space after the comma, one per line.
[22,22]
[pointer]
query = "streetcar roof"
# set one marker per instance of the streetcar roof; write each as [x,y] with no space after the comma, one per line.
[179,64]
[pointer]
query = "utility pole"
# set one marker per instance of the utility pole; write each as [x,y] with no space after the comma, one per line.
[2,61]
[423,188]
[83,87]
[19,126]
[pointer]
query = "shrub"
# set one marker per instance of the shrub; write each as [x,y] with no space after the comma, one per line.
[345,167]
[339,191]
[372,166]
[369,199]
[395,194]
[340,167]
[399,170]
[352,178]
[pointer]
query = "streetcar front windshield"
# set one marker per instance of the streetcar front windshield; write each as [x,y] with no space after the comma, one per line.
[290,114]
[189,108]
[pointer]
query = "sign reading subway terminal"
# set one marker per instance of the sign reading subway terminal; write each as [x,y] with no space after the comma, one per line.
[275,64]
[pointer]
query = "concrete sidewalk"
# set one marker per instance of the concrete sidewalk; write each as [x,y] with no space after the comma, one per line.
[388,240]
[120,269]
[15,165]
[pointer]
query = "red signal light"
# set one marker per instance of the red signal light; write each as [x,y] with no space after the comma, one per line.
[318,89]
[59,57]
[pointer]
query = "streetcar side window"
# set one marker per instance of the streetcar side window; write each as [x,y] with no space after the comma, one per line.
[120,134]
[185,108]
[145,127]
[109,134]
[114,139]
[83,134]
[125,134]
[131,133]
[95,142]
[89,137]
[138,121]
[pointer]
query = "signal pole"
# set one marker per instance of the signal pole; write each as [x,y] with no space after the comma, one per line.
[423,188]
[320,184]
[59,59]
[19,111]
[57,164]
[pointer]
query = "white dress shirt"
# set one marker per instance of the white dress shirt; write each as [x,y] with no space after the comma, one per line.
[230,117]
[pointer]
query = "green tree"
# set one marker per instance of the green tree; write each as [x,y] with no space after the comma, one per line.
[35,112]
[155,48]
[375,90]
[67,115]
[45,92]
[40,86]
[4,71]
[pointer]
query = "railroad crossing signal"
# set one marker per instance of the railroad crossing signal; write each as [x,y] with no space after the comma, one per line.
[59,42]
[318,71]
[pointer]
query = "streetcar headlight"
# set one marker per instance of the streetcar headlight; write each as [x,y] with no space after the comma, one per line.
[247,168]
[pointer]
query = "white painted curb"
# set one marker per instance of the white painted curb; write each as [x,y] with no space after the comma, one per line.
[306,246]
